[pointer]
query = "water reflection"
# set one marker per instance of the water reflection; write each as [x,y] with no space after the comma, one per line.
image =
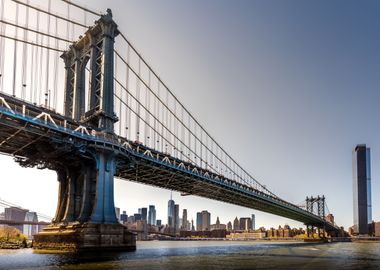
[207,255]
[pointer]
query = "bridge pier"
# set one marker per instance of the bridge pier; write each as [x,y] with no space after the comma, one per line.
[85,218]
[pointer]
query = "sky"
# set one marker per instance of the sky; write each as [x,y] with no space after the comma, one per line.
[287,87]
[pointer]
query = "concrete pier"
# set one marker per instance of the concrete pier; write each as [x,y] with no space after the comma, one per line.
[85,237]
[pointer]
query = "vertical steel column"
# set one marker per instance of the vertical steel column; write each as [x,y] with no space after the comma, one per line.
[87,193]
[94,76]
[79,91]
[69,87]
[109,28]
[62,196]
[104,208]
[69,213]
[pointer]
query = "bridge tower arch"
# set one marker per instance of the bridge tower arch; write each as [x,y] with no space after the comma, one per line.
[96,46]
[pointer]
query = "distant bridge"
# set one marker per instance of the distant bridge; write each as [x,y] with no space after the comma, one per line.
[13,222]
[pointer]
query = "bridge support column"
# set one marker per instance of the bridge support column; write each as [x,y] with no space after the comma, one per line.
[85,218]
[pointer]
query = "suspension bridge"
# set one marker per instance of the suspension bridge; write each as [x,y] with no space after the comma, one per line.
[78,98]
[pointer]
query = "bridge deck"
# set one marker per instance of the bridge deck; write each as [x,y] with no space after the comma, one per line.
[39,134]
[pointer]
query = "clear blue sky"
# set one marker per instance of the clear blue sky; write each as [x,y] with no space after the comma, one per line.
[288,87]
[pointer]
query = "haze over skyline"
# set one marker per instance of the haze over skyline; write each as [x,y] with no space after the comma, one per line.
[288,88]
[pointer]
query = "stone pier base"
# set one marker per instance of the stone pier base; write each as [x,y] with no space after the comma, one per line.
[85,237]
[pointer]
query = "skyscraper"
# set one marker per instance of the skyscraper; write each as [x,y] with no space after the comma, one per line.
[144,213]
[245,224]
[184,219]
[236,224]
[253,222]
[176,218]
[362,189]
[199,221]
[152,215]
[171,212]
[206,220]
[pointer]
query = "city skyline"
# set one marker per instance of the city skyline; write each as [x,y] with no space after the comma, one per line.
[271,149]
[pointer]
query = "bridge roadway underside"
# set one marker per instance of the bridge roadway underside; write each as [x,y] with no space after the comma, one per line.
[36,142]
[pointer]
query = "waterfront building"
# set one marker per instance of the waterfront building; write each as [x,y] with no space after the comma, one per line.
[152,215]
[362,189]
[206,220]
[184,219]
[376,229]
[199,221]
[236,224]
[23,215]
[253,219]
[137,217]
[245,224]
[123,217]
[131,219]
[217,225]
[229,226]
[15,214]
[247,235]
[192,225]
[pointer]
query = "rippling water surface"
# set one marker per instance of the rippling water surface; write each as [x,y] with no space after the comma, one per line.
[207,255]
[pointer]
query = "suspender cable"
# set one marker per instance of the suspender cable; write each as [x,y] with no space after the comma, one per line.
[189,134]
[162,118]
[32,43]
[40,67]
[128,120]
[138,104]
[2,45]
[183,136]
[155,138]
[51,14]
[167,122]
[15,55]
[28,29]
[148,135]
[175,130]
[48,58]
[24,55]
[55,89]
[120,107]
[207,134]
[81,7]
[165,126]
[115,91]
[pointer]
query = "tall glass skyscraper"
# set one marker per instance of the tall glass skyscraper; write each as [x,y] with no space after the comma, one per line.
[362,189]
[171,212]
[152,215]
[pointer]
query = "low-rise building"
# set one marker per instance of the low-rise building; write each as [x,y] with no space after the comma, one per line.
[247,235]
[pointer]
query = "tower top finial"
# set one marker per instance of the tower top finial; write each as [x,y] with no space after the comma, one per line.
[109,12]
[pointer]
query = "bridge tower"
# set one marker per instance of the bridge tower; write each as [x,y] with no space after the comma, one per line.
[85,217]
[316,205]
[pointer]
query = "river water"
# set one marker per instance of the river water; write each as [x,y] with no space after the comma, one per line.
[207,255]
